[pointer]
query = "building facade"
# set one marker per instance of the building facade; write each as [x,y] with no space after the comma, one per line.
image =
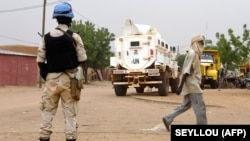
[17,68]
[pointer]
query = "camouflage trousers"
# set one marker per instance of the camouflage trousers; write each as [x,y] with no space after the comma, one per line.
[57,88]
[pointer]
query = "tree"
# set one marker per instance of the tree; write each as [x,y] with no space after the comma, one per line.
[236,46]
[180,59]
[97,45]
[209,45]
[102,49]
[233,51]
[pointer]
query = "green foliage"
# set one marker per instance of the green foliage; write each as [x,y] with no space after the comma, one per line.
[180,59]
[96,42]
[102,48]
[233,51]
[209,45]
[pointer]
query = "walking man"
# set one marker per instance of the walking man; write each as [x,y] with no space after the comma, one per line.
[59,54]
[190,86]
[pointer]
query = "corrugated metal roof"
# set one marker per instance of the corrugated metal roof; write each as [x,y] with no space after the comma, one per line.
[7,52]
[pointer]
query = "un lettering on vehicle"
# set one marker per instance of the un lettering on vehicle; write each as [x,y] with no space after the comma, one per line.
[135,61]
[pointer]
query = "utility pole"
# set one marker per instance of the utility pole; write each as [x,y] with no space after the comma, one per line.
[43,30]
[44,13]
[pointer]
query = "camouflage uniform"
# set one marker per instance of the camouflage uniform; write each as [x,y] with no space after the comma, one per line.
[57,86]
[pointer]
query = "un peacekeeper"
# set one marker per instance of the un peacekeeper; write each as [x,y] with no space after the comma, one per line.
[58,58]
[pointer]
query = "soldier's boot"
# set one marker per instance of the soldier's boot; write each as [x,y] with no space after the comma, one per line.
[43,139]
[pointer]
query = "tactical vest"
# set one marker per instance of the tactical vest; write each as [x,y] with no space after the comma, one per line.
[60,53]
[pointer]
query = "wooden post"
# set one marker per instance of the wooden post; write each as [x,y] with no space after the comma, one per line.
[43,29]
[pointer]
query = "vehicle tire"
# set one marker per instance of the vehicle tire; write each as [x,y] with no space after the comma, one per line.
[162,87]
[174,83]
[139,89]
[213,84]
[120,90]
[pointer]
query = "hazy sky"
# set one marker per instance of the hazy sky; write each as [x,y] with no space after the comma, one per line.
[176,20]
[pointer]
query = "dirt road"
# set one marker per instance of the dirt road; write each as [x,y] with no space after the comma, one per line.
[106,117]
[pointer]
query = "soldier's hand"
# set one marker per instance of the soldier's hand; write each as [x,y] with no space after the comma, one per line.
[43,70]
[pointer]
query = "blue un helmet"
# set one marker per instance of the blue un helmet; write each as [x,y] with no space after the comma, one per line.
[63,9]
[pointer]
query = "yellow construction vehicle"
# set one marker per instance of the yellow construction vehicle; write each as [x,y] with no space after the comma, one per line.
[210,67]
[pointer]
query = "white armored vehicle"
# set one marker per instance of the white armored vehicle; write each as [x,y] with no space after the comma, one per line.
[143,59]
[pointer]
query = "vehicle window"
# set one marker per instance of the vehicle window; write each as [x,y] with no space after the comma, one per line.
[207,58]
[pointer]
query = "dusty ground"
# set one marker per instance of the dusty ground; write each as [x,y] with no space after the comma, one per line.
[105,117]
